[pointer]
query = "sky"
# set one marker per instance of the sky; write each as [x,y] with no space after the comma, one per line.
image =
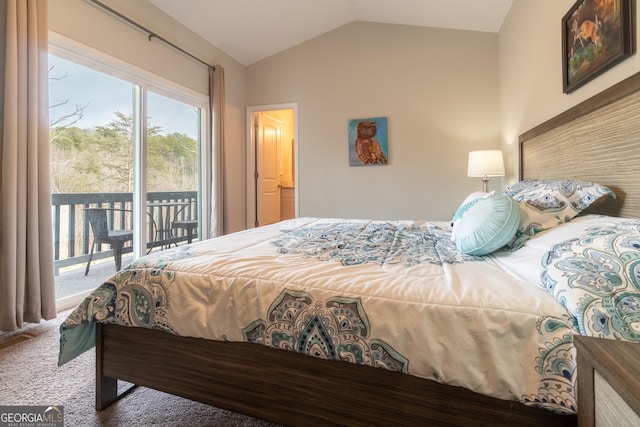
[103,95]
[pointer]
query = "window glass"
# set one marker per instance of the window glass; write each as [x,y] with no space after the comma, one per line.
[93,115]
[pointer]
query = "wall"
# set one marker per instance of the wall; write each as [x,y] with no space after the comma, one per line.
[530,63]
[90,25]
[439,90]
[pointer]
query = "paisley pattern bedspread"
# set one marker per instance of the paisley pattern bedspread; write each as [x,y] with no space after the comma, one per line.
[390,294]
[596,276]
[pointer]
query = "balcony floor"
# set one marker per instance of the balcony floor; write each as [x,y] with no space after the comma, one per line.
[72,281]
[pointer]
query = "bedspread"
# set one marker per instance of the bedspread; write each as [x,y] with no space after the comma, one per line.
[597,278]
[390,294]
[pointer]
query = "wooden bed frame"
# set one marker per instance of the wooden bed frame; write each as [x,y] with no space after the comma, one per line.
[290,388]
[295,389]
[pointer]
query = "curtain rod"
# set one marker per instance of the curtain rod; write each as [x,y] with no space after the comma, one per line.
[150,34]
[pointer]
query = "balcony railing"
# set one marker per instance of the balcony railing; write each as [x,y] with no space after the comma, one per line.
[72,235]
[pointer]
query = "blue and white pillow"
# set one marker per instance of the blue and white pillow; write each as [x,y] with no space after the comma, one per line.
[547,203]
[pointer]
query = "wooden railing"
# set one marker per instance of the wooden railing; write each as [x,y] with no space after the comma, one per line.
[72,235]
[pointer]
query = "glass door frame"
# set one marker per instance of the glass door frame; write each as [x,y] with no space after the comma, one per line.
[143,81]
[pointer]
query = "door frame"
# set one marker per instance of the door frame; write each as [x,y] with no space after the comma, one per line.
[251,189]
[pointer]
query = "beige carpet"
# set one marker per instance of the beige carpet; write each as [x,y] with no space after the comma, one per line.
[29,375]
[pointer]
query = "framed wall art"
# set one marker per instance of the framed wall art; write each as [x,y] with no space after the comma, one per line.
[368,142]
[596,35]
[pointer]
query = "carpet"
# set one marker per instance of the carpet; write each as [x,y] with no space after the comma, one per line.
[29,375]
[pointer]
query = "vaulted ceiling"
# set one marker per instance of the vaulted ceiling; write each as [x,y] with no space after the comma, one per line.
[250,30]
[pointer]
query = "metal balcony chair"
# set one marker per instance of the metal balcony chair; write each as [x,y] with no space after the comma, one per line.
[187,225]
[103,234]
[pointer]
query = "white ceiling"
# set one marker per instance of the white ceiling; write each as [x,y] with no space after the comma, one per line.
[250,30]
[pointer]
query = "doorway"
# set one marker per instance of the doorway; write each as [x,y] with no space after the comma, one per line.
[271,164]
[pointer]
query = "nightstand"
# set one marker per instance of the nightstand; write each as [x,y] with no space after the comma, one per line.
[608,382]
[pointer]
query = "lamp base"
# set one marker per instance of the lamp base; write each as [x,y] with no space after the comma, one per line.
[485,184]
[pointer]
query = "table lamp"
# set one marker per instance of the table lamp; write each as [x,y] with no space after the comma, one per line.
[485,163]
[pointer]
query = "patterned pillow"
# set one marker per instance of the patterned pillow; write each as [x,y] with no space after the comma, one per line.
[547,203]
[597,279]
[488,225]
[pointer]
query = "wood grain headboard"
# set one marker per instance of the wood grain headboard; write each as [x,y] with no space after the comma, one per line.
[597,140]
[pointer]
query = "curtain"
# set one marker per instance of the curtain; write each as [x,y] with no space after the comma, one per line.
[27,287]
[215,169]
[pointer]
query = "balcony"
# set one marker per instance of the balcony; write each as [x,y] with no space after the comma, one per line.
[72,235]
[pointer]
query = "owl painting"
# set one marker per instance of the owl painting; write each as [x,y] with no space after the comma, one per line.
[367,144]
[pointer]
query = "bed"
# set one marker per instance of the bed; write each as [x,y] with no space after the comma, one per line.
[325,321]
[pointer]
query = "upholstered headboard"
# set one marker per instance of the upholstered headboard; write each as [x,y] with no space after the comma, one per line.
[597,140]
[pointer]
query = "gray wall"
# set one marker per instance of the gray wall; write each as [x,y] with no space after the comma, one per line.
[439,90]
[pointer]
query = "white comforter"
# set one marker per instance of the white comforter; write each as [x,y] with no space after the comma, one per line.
[395,295]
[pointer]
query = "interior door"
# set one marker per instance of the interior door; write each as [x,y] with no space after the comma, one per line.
[269,134]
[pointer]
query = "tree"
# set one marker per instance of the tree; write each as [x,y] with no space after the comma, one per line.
[115,141]
[101,159]
[172,162]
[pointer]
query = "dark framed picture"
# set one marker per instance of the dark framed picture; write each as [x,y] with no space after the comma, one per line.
[596,35]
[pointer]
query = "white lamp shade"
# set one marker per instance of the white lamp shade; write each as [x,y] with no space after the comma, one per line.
[485,163]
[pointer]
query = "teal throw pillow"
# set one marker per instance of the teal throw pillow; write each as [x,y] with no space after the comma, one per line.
[487,225]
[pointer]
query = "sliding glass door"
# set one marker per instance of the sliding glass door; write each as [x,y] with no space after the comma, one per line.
[172,173]
[129,147]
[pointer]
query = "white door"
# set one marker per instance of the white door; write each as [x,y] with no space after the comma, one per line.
[268,133]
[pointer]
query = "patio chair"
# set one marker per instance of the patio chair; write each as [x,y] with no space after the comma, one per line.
[187,225]
[103,234]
